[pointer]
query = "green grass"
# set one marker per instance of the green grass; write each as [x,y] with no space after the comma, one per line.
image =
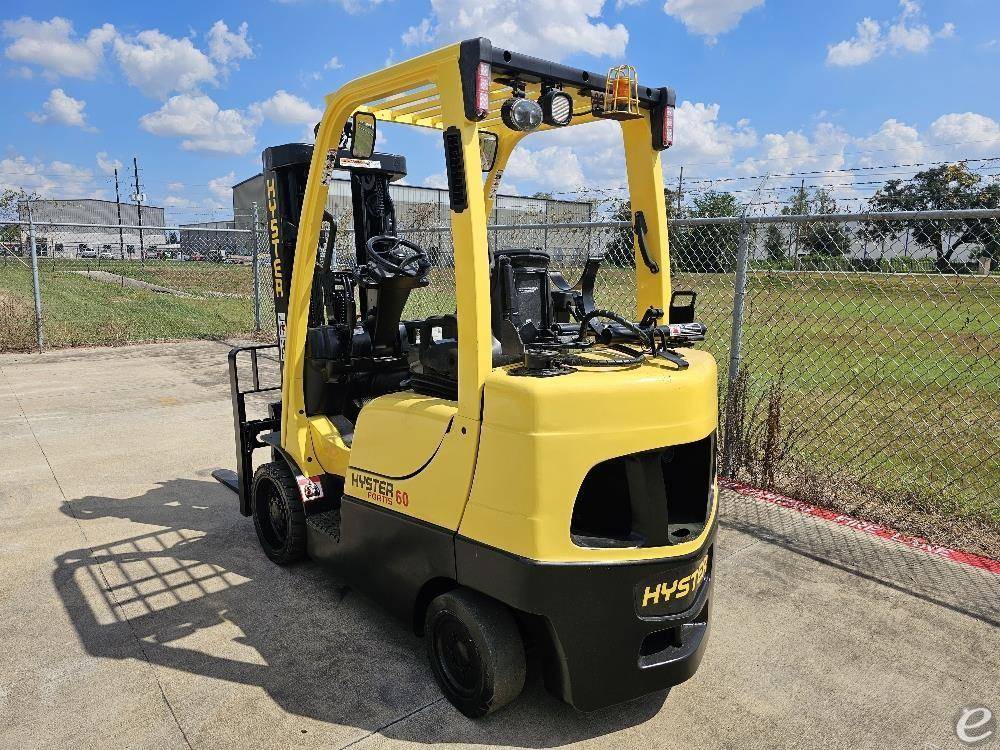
[196,277]
[890,382]
[83,311]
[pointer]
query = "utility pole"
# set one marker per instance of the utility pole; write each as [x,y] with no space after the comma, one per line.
[121,234]
[680,189]
[138,205]
[36,287]
[801,208]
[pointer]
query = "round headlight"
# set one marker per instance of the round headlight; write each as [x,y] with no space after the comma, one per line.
[557,107]
[521,114]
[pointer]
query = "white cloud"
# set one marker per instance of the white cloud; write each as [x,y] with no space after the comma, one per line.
[419,34]
[175,202]
[966,133]
[225,46]
[202,124]
[63,109]
[333,64]
[795,151]
[894,141]
[53,46]
[438,180]
[552,29]
[549,168]
[709,18]
[863,47]
[56,179]
[875,38]
[357,6]
[287,109]
[106,164]
[157,64]
[222,187]
[175,186]
[700,136]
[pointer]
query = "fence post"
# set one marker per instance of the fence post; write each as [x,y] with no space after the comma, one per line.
[545,238]
[254,252]
[736,338]
[39,333]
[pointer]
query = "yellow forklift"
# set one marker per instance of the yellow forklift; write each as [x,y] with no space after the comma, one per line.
[531,478]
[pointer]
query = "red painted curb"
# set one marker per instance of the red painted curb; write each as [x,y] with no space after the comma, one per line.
[865,527]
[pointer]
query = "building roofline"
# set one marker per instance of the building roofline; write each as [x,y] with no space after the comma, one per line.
[90,200]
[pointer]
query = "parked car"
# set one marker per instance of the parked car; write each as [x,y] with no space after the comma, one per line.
[86,252]
[108,255]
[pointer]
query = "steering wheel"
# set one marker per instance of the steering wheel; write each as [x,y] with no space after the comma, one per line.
[391,260]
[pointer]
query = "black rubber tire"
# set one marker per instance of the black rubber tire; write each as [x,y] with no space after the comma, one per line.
[278,516]
[475,650]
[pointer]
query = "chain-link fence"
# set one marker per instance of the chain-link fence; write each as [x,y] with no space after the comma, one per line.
[116,284]
[858,353]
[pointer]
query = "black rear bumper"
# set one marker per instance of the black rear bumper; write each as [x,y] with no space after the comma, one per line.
[603,650]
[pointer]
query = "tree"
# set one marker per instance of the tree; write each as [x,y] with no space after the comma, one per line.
[711,248]
[824,238]
[945,187]
[11,202]
[775,244]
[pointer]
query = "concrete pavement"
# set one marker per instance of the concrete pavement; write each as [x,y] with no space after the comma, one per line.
[137,611]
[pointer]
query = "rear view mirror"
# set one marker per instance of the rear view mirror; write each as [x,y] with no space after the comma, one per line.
[488,144]
[363,138]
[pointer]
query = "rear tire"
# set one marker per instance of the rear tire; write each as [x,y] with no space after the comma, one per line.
[475,650]
[277,511]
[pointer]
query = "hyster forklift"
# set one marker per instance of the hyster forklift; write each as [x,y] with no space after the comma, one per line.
[528,480]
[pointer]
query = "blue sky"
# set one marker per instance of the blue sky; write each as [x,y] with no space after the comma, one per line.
[196,90]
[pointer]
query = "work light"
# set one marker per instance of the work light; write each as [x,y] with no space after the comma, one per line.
[557,107]
[518,113]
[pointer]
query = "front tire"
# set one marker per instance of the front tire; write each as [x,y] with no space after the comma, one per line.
[278,516]
[475,650]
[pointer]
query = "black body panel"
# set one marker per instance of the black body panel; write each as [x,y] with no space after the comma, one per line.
[603,646]
[384,554]
[603,652]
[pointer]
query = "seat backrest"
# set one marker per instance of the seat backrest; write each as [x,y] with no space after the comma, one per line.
[519,295]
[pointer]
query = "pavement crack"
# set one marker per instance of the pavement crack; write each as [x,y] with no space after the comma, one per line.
[100,568]
[392,723]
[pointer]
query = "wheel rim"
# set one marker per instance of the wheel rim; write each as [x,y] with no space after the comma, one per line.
[457,655]
[272,514]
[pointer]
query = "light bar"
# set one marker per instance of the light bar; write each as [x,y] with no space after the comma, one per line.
[483,77]
[668,127]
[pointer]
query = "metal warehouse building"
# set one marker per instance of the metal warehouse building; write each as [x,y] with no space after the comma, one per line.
[421,210]
[69,241]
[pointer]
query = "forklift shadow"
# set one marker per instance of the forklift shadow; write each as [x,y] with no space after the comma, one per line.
[193,592]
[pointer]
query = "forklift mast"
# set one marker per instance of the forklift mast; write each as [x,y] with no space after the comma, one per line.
[286,172]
